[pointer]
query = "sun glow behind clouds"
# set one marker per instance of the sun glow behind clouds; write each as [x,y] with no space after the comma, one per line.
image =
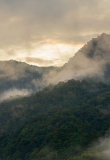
[46,54]
[51,54]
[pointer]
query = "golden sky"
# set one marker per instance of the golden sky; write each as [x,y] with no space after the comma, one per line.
[49,32]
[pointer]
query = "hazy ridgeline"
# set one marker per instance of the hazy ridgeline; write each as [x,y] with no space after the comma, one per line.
[91,62]
[20,79]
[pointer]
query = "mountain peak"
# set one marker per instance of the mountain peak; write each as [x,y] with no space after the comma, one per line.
[91,61]
[98,47]
[103,36]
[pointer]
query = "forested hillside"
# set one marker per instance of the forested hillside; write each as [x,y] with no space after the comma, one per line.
[58,123]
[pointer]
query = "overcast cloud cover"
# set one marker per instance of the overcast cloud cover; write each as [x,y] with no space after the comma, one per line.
[26,26]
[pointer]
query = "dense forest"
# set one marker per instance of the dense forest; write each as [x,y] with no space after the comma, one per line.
[61,122]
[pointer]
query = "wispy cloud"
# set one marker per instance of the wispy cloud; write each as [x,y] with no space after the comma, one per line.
[14,93]
[40,61]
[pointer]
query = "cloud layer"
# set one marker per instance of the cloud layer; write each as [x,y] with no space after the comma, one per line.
[26,23]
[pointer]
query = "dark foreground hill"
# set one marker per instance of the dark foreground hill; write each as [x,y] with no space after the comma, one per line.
[58,123]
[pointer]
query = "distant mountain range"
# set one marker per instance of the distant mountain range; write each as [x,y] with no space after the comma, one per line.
[90,62]
[20,79]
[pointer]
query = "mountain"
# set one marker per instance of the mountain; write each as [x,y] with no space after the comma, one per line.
[67,121]
[92,61]
[18,78]
[62,122]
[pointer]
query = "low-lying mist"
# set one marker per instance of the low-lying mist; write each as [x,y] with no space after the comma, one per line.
[14,93]
[102,147]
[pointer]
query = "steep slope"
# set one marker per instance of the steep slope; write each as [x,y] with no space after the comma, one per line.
[58,123]
[93,59]
[90,62]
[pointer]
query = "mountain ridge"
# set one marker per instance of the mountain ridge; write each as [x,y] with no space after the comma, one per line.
[91,62]
[19,76]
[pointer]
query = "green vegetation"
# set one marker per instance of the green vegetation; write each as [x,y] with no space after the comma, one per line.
[58,123]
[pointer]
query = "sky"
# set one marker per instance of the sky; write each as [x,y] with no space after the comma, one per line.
[49,32]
